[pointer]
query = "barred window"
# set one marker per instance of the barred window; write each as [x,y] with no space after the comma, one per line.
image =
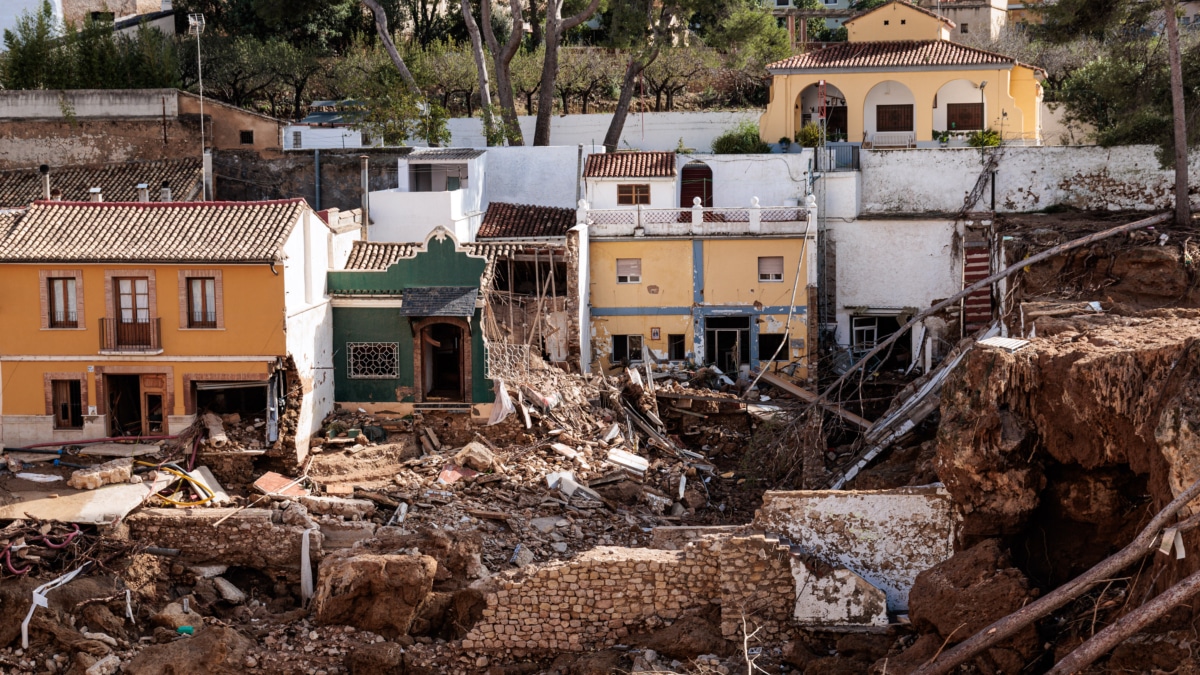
[373,360]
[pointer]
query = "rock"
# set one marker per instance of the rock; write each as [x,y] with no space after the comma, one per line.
[380,658]
[115,471]
[337,506]
[963,594]
[297,515]
[172,617]
[522,556]
[214,650]
[228,591]
[476,456]
[105,666]
[544,525]
[380,593]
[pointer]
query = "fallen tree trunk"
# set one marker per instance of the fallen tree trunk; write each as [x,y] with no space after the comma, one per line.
[982,283]
[1010,625]
[1103,642]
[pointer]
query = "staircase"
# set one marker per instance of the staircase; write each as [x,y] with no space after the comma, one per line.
[977,307]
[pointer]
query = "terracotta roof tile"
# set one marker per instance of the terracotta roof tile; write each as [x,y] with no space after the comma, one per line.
[150,232]
[505,221]
[885,55]
[630,165]
[118,182]
[378,255]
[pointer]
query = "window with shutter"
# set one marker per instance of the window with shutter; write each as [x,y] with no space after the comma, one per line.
[770,268]
[629,270]
[964,116]
[893,118]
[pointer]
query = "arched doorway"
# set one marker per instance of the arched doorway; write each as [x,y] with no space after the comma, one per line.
[442,363]
[809,109]
[889,115]
[959,106]
[696,180]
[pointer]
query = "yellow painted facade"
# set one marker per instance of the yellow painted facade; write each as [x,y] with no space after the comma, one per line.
[1012,96]
[249,338]
[675,298]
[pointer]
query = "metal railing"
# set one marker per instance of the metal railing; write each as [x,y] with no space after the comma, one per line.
[63,319]
[130,336]
[684,221]
[893,139]
[840,157]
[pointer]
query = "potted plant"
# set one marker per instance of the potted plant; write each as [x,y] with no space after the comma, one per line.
[942,137]
[785,144]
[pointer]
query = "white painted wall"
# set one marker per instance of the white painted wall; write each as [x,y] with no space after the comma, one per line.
[309,323]
[602,192]
[956,91]
[888,92]
[323,137]
[885,536]
[541,176]
[409,216]
[838,194]
[893,263]
[1028,179]
[773,178]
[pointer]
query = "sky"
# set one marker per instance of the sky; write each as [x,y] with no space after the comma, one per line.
[11,9]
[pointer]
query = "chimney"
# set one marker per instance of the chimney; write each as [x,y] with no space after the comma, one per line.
[143,192]
[96,195]
[165,195]
[56,195]
[366,199]
[45,169]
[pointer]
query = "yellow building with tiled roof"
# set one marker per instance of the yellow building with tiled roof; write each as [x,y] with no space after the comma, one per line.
[130,318]
[898,82]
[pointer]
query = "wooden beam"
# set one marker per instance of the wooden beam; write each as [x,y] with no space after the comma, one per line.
[806,395]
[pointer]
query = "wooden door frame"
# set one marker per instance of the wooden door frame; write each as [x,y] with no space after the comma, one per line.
[466,379]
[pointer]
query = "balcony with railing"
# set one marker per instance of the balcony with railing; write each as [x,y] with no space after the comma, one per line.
[63,319]
[698,221]
[130,336]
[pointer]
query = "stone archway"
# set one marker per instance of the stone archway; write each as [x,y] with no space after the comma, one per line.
[442,359]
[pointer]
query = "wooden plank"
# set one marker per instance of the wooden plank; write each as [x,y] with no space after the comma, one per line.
[805,395]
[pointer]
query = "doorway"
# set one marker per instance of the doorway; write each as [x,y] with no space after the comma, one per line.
[696,180]
[443,367]
[124,404]
[727,342]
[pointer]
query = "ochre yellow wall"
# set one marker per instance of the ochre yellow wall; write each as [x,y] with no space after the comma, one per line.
[24,385]
[916,25]
[731,272]
[1021,99]
[604,327]
[666,264]
[253,312]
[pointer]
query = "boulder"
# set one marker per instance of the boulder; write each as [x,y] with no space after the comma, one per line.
[377,658]
[476,456]
[214,650]
[380,593]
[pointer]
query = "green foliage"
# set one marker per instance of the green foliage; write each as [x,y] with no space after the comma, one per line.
[42,54]
[809,135]
[987,138]
[740,140]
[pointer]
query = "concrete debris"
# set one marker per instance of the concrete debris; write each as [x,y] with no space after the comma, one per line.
[475,456]
[228,591]
[357,509]
[108,473]
[216,430]
[381,593]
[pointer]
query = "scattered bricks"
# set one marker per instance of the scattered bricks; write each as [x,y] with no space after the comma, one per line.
[116,471]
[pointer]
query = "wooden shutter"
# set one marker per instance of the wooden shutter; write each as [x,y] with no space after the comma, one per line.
[893,118]
[964,116]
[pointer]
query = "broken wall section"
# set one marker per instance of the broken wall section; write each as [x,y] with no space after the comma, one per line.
[885,536]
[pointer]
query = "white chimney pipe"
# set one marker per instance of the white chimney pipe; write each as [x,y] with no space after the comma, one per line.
[165,195]
[96,195]
[45,169]
[366,192]
[143,192]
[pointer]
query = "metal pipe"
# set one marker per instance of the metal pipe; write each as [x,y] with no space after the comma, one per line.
[366,199]
[45,169]
[317,179]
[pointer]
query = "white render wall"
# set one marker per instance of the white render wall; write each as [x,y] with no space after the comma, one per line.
[773,178]
[1028,179]
[89,103]
[642,131]
[601,193]
[893,263]
[885,536]
[541,176]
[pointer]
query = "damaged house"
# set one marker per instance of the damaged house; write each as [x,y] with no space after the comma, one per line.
[131,318]
[752,270]
[407,330]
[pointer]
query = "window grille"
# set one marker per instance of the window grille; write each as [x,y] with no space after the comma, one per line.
[373,360]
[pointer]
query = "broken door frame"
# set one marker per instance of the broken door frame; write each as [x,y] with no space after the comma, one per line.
[167,390]
[464,355]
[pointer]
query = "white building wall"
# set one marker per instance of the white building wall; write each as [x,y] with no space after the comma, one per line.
[602,192]
[774,178]
[541,176]
[642,131]
[935,180]
[322,137]
[399,215]
[309,323]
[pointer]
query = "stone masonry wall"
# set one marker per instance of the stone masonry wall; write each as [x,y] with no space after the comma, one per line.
[595,600]
[757,584]
[257,538]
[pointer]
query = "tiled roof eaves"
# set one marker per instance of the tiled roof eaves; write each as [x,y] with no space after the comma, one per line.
[894,69]
[890,56]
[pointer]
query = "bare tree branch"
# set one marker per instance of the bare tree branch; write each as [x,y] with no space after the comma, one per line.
[485,90]
[381,26]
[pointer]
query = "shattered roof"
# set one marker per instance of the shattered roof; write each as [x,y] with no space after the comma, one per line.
[149,231]
[887,55]
[504,221]
[630,165]
[117,182]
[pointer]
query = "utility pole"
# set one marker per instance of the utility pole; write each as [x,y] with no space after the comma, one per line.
[1183,214]
[196,27]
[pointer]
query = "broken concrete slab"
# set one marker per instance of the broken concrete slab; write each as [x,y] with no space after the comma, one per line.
[205,476]
[345,534]
[228,591]
[886,536]
[476,456]
[628,460]
[102,505]
[836,597]
[119,450]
